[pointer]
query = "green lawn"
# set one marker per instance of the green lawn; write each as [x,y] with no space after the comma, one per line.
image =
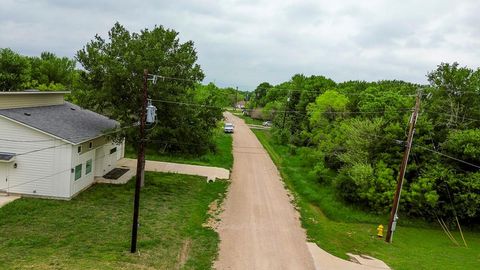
[221,158]
[92,231]
[339,228]
[248,120]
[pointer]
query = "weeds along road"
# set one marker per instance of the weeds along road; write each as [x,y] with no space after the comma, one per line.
[259,227]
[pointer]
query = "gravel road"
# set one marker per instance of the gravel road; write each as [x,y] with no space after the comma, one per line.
[259,228]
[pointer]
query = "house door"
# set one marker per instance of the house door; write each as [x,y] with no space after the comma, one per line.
[100,161]
[3,177]
[111,160]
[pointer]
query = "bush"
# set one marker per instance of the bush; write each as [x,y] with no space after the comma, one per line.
[368,186]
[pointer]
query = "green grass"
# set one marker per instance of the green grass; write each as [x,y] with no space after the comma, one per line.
[92,231]
[221,158]
[339,228]
[248,120]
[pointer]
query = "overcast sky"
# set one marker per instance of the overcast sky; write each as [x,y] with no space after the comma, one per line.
[243,43]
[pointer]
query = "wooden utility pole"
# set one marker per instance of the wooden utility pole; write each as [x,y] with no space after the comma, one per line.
[236,99]
[401,174]
[140,164]
[285,112]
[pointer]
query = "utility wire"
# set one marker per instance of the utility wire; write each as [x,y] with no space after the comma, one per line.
[323,90]
[278,111]
[355,93]
[154,78]
[308,111]
[54,146]
[37,179]
[187,104]
[447,156]
[41,149]
[448,114]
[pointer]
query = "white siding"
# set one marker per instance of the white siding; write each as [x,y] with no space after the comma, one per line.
[86,180]
[121,150]
[99,161]
[3,176]
[45,172]
[102,163]
[32,99]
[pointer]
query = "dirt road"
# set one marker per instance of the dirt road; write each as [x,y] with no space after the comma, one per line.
[259,228]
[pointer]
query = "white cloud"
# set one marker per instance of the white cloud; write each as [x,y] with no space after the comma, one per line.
[246,42]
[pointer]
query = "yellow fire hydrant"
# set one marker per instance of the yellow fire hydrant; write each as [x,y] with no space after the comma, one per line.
[380,231]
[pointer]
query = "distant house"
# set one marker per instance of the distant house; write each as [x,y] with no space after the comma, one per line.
[50,147]
[240,104]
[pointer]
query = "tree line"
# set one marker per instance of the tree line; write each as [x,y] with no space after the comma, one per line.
[352,135]
[44,72]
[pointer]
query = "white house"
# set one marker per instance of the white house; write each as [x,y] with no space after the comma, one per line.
[50,147]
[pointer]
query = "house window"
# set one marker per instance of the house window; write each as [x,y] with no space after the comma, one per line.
[113,150]
[79,149]
[90,145]
[78,172]
[88,167]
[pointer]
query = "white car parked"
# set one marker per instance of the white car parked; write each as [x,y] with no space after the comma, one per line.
[228,128]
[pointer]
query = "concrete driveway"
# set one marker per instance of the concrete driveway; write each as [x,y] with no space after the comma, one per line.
[4,199]
[211,173]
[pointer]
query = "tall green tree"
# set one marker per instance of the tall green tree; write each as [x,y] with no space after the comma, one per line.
[15,71]
[51,69]
[260,93]
[114,71]
[455,95]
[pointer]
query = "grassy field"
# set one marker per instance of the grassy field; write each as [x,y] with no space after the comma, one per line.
[221,158]
[339,228]
[92,231]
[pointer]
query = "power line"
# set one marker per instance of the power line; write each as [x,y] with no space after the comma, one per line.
[447,156]
[54,146]
[154,78]
[356,93]
[37,179]
[281,111]
[448,114]
[187,104]
[323,90]
[41,149]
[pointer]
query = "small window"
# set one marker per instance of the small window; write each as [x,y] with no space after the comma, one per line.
[88,167]
[79,149]
[78,172]
[90,145]
[113,150]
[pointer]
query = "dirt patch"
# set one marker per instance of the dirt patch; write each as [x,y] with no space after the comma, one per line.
[214,211]
[183,255]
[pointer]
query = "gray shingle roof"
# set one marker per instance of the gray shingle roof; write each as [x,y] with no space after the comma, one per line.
[67,121]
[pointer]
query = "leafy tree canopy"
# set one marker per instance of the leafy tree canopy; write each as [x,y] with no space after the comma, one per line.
[15,71]
[47,72]
[114,79]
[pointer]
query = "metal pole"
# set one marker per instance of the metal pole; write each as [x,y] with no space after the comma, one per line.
[140,164]
[401,174]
